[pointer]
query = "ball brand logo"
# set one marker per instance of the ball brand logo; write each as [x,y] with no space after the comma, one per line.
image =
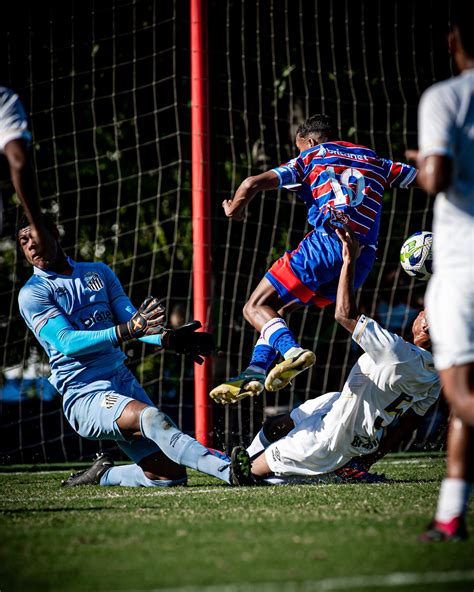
[93,281]
[96,317]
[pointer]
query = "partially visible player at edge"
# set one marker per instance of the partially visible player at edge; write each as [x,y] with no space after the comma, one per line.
[340,183]
[393,379]
[14,140]
[80,315]
[446,162]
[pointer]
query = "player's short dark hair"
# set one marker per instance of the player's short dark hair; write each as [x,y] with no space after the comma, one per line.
[462,19]
[316,124]
[23,222]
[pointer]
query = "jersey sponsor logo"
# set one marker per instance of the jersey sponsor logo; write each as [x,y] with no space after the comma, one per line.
[96,317]
[93,281]
[109,400]
[364,442]
[347,154]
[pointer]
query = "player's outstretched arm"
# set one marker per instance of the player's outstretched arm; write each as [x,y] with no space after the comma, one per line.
[346,313]
[63,337]
[16,152]
[248,189]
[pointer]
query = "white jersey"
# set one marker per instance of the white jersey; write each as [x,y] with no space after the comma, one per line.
[446,127]
[391,377]
[13,119]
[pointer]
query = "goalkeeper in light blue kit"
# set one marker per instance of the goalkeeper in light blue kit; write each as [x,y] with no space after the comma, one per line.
[81,315]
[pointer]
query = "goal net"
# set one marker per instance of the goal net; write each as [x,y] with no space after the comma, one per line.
[107,87]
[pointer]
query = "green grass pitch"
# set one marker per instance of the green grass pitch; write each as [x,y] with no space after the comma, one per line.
[209,537]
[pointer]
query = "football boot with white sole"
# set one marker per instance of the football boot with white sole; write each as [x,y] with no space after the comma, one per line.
[246,384]
[284,372]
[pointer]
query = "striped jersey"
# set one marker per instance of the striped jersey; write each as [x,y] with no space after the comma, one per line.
[343,183]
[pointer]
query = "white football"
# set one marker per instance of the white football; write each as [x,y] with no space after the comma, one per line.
[416,256]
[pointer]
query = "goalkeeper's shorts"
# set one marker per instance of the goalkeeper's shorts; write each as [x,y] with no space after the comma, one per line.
[94,410]
[310,273]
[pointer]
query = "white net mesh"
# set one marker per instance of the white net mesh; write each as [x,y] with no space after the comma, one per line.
[107,87]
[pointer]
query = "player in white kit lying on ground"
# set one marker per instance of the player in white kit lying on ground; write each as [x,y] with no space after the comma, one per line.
[393,377]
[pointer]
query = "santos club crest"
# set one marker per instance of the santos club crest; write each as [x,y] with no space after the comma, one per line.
[93,281]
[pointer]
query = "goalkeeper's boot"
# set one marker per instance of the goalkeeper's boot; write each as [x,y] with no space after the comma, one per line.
[439,532]
[284,372]
[354,473]
[241,468]
[92,475]
[246,384]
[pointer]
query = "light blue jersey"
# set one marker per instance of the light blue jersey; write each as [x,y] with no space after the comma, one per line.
[90,299]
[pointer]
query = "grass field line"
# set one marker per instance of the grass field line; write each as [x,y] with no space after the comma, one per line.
[393,580]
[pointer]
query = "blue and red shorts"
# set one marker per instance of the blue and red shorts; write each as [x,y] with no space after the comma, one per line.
[310,273]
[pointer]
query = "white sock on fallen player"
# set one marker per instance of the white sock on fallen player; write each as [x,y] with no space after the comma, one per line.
[258,445]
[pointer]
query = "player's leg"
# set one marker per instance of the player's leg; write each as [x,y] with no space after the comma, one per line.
[273,429]
[449,522]
[132,420]
[264,311]
[458,388]
[139,419]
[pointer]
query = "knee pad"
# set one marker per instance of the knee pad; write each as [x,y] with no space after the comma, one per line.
[275,428]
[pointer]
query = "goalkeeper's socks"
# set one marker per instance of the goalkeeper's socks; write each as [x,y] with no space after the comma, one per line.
[180,447]
[258,445]
[277,334]
[133,476]
[453,499]
[262,356]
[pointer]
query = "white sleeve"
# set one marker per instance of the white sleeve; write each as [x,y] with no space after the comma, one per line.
[13,120]
[379,343]
[421,407]
[436,120]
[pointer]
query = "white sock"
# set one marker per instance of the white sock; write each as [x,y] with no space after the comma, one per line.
[453,499]
[291,353]
[258,445]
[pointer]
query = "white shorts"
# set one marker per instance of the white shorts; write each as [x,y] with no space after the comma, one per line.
[308,449]
[13,119]
[450,293]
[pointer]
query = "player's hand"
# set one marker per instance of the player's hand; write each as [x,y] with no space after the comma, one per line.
[187,341]
[148,320]
[234,209]
[350,244]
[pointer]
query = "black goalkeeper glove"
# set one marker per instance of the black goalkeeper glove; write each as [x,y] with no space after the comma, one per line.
[184,340]
[148,320]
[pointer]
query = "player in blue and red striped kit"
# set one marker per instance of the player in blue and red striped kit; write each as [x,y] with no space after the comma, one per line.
[340,183]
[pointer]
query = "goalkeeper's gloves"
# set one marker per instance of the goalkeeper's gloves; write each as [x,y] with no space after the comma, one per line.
[185,340]
[148,320]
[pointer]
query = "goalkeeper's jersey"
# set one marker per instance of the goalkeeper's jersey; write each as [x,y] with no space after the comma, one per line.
[342,182]
[86,299]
